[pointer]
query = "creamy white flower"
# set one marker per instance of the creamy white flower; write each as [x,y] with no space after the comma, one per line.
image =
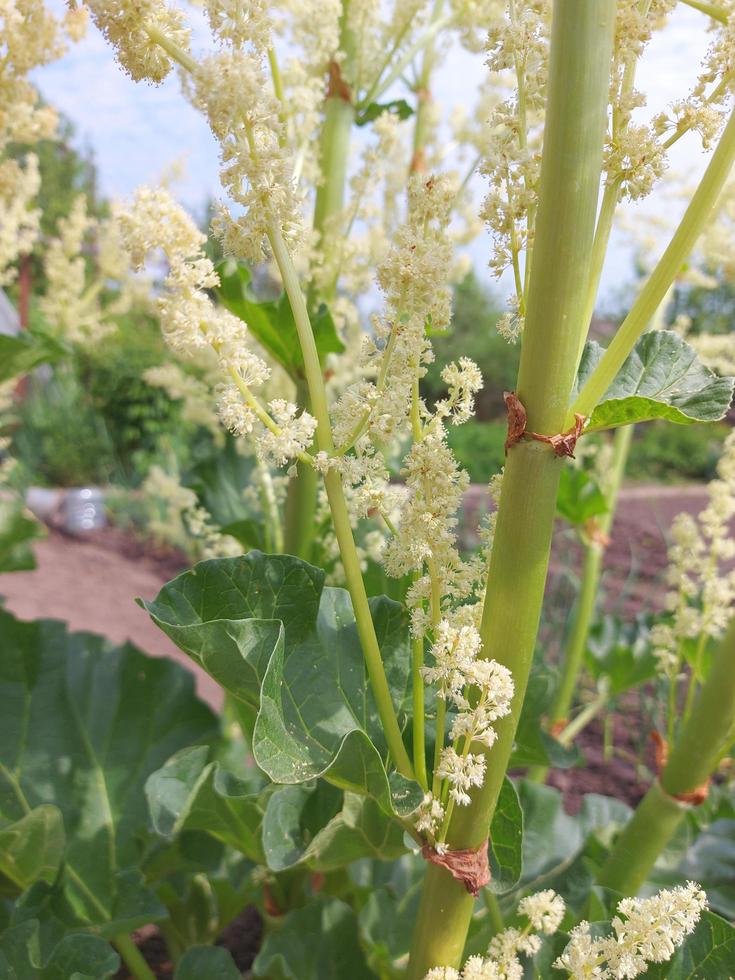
[544,910]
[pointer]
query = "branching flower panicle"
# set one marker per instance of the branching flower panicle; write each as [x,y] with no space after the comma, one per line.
[191,323]
[701,592]
[644,931]
[544,912]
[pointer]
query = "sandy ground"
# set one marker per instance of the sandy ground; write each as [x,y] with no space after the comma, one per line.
[91,583]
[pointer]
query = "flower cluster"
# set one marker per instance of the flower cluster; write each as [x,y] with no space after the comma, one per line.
[517,44]
[644,931]
[31,36]
[134,30]
[701,591]
[544,912]
[480,692]
[73,303]
[191,323]
[180,520]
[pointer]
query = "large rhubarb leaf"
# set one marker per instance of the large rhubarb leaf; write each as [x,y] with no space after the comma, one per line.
[74,957]
[274,637]
[190,793]
[83,725]
[662,378]
[317,942]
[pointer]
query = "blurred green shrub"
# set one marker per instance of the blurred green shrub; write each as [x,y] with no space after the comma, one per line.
[676,452]
[473,334]
[478,447]
[96,421]
[60,440]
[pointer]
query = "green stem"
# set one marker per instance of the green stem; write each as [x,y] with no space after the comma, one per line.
[298,535]
[423,96]
[691,763]
[133,957]
[586,601]
[690,228]
[419,711]
[579,73]
[338,507]
[585,716]
[695,675]
[493,907]
[334,151]
[708,8]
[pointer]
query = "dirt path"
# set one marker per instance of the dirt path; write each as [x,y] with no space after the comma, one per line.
[91,583]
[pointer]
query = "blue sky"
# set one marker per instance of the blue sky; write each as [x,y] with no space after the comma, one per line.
[137,130]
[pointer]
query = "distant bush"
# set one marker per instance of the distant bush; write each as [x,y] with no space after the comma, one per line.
[676,452]
[478,447]
[473,334]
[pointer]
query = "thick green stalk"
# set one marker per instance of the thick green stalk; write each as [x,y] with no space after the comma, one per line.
[132,957]
[334,150]
[708,8]
[650,297]
[579,77]
[691,763]
[298,532]
[423,97]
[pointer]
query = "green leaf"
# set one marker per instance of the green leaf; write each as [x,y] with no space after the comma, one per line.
[270,633]
[17,530]
[207,963]
[74,957]
[533,746]
[248,532]
[708,953]
[84,724]
[190,793]
[21,353]
[579,498]
[271,321]
[220,480]
[662,378]
[317,942]
[313,825]
[31,848]
[709,859]
[620,653]
[506,840]
[398,107]
[388,915]
[552,838]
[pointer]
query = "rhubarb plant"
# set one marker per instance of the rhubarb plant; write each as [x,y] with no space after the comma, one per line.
[377,804]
